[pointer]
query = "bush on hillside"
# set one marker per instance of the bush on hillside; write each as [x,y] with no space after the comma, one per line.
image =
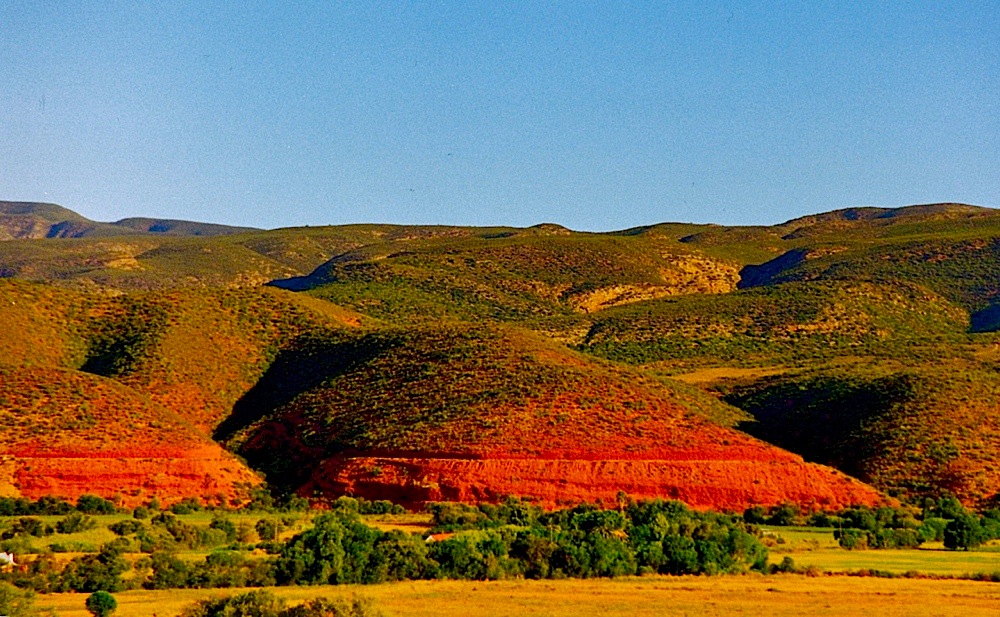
[74,523]
[266,604]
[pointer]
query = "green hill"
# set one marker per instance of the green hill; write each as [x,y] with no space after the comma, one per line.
[514,276]
[792,323]
[30,220]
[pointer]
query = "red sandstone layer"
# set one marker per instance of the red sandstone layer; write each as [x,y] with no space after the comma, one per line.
[716,484]
[132,479]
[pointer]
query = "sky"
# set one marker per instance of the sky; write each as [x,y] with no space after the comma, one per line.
[593,115]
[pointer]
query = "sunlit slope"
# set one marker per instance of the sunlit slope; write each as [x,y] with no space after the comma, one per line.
[470,413]
[198,352]
[914,433]
[953,251]
[42,325]
[137,263]
[22,219]
[120,394]
[357,369]
[129,260]
[792,323]
[515,275]
[32,220]
[69,433]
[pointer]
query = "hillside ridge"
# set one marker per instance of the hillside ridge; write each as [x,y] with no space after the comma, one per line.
[797,361]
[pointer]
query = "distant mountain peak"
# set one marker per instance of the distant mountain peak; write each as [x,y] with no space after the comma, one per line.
[25,220]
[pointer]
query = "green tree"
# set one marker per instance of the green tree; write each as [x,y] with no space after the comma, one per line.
[169,572]
[92,504]
[251,604]
[101,604]
[224,525]
[267,529]
[964,532]
[100,572]
[74,523]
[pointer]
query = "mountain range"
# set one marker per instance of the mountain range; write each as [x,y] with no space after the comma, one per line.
[849,357]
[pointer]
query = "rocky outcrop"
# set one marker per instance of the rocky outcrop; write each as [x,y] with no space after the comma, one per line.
[717,484]
[129,477]
[684,274]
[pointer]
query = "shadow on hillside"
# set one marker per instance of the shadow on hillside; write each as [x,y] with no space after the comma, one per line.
[986,320]
[307,364]
[295,283]
[825,420]
[756,276]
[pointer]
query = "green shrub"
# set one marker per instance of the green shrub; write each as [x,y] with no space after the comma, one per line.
[265,604]
[101,604]
[250,604]
[964,532]
[852,539]
[126,527]
[267,529]
[74,523]
[92,504]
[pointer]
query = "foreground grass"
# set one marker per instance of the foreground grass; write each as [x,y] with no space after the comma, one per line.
[752,595]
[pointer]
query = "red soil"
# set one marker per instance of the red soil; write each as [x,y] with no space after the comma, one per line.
[733,484]
[131,478]
[67,433]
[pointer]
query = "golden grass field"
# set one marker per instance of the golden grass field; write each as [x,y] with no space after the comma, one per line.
[751,595]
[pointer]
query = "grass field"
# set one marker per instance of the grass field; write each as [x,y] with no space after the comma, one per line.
[773,596]
[925,561]
[816,547]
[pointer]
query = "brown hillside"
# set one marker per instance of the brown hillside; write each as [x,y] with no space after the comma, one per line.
[68,433]
[459,412]
[734,484]
[213,346]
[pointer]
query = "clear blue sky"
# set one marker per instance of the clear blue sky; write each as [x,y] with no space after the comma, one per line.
[594,115]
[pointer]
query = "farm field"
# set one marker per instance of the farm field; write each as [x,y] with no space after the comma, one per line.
[898,561]
[817,548]
[750,595]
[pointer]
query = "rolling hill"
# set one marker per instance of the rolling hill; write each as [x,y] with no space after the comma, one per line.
[466,413]
[721,365]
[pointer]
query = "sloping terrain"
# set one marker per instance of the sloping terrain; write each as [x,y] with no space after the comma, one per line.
[476,414]
[791,323]
[69,433]
[22,220]
[345,359]
[914,432]
[120,395]
[515,276]
[198,352]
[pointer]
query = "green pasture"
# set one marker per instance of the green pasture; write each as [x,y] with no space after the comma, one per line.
[813,547]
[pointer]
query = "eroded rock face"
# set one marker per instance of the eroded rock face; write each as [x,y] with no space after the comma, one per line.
[130,478]
[716,484]
[67,433]
[686,274]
